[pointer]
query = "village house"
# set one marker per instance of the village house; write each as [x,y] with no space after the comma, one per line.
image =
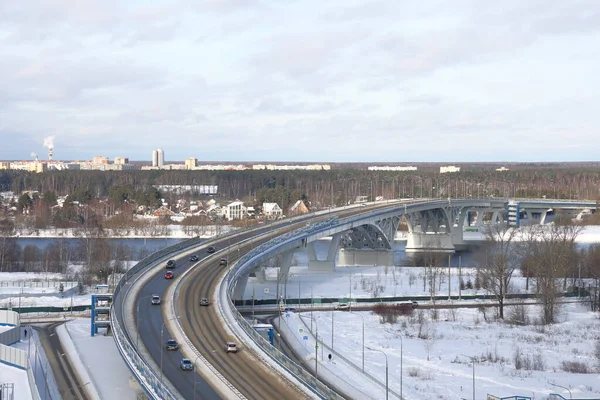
[272,210]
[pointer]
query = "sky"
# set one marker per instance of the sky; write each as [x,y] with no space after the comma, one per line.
[335,81]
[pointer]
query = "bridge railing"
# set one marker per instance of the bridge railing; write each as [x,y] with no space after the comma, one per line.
[248,260]
[142,370]
[144,373]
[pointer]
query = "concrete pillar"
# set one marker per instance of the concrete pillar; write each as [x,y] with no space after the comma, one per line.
[420,243]
[333,246]
[360,257]
[543,217]
[261,275]
[240,287]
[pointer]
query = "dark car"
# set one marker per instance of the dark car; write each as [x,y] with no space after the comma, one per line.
[169,275]
[211,249]
[186,364]
[171,264]
[172,344]
[223,262]
[194,258]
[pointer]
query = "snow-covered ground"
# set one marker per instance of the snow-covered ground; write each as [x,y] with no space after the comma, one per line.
[436,355]
[170,231]
[450,341]
[18,378]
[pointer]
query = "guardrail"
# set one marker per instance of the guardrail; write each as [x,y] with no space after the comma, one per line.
[143,372]
[307,378]
[147,378]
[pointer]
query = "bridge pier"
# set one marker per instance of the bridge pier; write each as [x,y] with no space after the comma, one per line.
[240,287]
[366,257]
[327,265]
[419,242]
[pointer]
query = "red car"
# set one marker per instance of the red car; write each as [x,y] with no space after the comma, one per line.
[169,275]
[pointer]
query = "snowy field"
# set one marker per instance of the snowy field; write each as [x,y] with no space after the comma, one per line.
[18,378]
[436,355]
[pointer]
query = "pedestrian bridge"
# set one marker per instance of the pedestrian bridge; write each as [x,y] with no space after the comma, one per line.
[432,226]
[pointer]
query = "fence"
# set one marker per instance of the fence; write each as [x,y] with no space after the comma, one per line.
[38,284]
[11,355]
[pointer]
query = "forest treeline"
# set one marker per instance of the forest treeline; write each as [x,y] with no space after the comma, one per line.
[322,188]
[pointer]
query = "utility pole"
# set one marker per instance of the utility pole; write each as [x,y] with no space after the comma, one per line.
[449,276]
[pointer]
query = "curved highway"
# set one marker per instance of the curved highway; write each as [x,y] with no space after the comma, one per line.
[202,324]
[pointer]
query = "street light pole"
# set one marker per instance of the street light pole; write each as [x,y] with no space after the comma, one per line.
[332,314]
[75,387]
[386,371]
[162,328]
[473,361]
[137,313]
[563,387]
[195,361]
[400,367]
[363,340]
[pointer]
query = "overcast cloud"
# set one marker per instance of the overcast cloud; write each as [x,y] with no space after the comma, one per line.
[342,80]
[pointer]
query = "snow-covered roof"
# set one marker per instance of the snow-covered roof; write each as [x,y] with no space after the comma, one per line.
[270,207]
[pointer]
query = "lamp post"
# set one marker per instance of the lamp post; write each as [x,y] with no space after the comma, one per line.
[75,387]
[401,357]
[162,329]
[137,312]
[562,387]
[195,383]
[311,305]
[473,361]
[386,372]
[363,339]
[316,346]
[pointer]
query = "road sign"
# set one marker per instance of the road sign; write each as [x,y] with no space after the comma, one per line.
[300,330]
[287,315]
[267,290]
[316,347]
[304,337]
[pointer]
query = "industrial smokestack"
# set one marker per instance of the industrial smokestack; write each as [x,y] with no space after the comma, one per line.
[34,156]
[49,144]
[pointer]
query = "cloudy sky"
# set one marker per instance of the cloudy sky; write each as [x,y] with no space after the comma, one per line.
[301,80]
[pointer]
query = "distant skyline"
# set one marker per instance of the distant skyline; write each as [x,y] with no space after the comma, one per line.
[301,81]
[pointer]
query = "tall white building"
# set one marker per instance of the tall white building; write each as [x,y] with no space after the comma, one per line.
[158,158]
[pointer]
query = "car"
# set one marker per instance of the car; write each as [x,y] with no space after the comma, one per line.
[171,264]
[211,249]
[223,262]
[342,306]
[204,301]
[194,258]
[169,275]
[231,347]
[155,299]
[289,309]
[186,364]
[172,344]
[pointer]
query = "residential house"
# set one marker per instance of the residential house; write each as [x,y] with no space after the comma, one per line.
[235,210]
[162,211]
[272,210]
[299,207]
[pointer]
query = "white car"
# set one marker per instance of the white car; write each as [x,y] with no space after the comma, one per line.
[155,299]
[342,306]
[231,347]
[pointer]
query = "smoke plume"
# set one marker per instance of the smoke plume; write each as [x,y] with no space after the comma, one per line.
[49,142]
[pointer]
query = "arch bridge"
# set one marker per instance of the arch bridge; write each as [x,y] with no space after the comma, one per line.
[432,225]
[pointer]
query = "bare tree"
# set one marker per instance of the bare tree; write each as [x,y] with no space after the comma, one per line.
[500,261]
[549,258]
